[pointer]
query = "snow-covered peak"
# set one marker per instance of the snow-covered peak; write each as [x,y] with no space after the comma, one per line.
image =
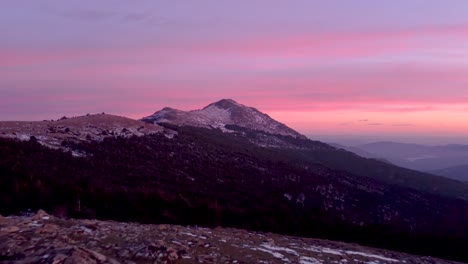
[222,113]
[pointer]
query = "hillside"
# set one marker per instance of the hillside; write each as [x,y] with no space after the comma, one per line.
[304,152]
[96,127]
[209,178]
[230,176]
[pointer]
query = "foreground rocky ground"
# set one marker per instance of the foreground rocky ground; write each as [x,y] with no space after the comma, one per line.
[42,238]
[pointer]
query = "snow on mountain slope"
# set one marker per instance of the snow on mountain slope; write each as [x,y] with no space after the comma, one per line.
[222,113]
[90,127]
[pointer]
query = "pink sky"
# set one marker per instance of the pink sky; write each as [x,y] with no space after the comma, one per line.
[322,68]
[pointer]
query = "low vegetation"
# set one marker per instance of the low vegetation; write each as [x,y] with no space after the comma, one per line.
[208,178]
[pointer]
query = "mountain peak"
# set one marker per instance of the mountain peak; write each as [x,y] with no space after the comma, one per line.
[225,104]
[221,113]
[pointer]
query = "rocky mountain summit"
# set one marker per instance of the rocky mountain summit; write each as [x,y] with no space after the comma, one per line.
[42,238]
[219,115]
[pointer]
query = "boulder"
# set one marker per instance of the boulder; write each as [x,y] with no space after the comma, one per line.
[41,215]
[10,229]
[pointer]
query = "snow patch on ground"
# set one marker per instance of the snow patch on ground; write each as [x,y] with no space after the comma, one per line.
[274,254]
[216,114]
[288,250]
[338,252]
[78,154]
[21,137]
[188,234]
[349,252]
[324,250]
[309,260]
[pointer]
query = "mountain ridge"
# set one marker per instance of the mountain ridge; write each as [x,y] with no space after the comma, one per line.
[459,172]
[233,176]
[52,133]
[419,157]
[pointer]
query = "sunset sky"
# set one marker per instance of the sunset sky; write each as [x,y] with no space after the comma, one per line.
[355,67]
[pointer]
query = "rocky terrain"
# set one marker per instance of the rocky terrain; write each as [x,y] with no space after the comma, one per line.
[244,171]
[95,127]
[42,238]
[222,113]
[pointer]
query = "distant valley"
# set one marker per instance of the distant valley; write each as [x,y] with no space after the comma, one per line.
[445,160]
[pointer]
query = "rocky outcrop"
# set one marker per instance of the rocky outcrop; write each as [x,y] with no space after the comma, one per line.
[54,134]
[42,238]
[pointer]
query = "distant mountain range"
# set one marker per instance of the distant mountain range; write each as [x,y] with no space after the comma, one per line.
[230,165]
[456,172]
[357,151]
[448,160]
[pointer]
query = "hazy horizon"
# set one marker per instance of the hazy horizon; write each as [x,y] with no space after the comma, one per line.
[356,140]
[361,67]
[351,139]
